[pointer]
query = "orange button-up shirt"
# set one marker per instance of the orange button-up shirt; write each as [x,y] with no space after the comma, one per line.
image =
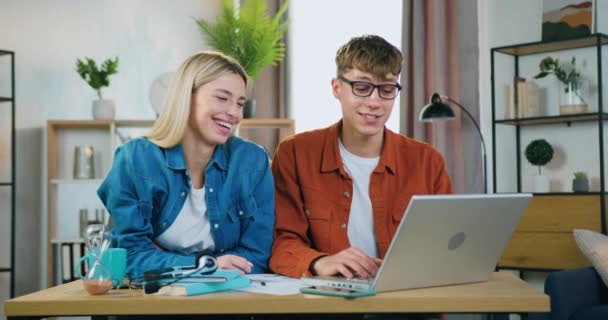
[313,194]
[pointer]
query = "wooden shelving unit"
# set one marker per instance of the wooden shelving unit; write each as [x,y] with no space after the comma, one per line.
[543,239]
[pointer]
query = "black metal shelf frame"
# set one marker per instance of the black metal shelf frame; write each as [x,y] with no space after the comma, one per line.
[595,40]
[11,184]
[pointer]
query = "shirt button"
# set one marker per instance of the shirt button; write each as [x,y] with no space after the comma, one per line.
[307,212]
[346,194]
[183,194]
[240,213]
[210,189]
[343,226]
[216,225]
[221,250]
[164,224]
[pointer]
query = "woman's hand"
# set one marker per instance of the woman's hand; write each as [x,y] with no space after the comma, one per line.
[233,262]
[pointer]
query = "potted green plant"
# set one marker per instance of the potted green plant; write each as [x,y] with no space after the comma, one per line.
[570,98]
[98,78]
[249,35]
[580,182]
[539,152]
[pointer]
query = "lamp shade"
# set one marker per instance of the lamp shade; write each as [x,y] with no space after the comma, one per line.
[436,110]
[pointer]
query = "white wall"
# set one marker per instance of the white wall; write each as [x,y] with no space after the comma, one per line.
[150,37]
[317,29]
[502,23]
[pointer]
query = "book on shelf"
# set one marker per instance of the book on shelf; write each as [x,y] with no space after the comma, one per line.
[517,96]
[522,99]
[231,280]
[508,106]
[69,253]
[531,100]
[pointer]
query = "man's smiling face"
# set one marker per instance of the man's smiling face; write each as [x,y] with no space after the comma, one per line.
[363,116]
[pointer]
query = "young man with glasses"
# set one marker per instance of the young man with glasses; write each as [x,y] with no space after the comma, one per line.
[341,191]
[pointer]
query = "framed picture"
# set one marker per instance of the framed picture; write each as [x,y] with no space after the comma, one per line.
[567,19]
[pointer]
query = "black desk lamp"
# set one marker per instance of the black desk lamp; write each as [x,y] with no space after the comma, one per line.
[437,110]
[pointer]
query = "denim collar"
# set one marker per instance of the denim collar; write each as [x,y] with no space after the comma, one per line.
[177,161]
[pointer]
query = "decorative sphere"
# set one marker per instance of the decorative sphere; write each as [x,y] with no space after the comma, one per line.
[539,152]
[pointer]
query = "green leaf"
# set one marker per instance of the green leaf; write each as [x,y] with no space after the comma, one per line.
[95,77]
[565,74]
[250,35]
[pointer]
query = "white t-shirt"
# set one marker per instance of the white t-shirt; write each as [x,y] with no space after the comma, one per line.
[191,230]
[360,221]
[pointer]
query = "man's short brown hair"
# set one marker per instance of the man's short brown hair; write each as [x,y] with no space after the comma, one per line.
[369,53]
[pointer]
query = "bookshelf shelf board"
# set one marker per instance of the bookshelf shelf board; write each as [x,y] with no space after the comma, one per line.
[2,269]
[78,240]
[259,122]
[71,124]
[76,181]
[5,99]
[551,46]
[566,118]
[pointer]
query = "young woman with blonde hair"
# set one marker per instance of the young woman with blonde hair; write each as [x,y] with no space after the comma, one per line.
[189,186]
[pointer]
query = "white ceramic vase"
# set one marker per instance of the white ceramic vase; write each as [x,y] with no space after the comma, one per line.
[540,184]
[104,109]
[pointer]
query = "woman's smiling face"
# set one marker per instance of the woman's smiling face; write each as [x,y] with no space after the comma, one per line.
[216,108]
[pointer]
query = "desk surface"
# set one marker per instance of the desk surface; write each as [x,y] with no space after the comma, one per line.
[502,293]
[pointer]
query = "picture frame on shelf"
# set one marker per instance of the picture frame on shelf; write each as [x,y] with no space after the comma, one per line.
[567,19]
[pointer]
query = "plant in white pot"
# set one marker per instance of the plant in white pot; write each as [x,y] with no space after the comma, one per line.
[249,35]
[570,93]
[98,78]
[539,153]
[580,182]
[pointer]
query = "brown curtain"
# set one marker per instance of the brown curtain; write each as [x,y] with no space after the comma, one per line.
[440,48]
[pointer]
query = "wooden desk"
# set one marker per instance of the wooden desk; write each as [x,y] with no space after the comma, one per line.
[503,293]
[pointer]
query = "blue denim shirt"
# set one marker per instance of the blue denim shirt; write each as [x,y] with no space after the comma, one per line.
[147,187]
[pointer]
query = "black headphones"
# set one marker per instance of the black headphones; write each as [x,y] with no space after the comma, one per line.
[153,279]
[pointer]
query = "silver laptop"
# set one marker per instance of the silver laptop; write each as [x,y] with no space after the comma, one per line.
[442,240]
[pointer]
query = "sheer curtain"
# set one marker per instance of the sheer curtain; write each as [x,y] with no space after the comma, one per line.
[441,55]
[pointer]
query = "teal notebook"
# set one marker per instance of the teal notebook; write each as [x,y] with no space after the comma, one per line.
[234,280]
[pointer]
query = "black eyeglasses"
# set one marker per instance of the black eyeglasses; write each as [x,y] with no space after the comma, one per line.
[365,89]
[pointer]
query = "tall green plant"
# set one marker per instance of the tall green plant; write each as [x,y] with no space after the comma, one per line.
[249,35]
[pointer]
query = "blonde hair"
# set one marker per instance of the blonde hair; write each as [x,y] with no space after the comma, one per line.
[369,53]
[199,69]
